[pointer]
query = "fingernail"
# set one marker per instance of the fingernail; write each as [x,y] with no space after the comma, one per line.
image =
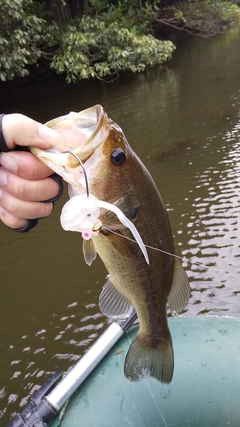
[47,134]
[8,162]
[3,177]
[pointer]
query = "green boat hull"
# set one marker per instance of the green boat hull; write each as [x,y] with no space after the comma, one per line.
[205,390]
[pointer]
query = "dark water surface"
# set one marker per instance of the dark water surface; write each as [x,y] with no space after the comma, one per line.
[184,122]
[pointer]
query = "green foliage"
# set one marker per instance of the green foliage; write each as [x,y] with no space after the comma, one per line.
[208,17]
[113,36]
[21,34]
[132,14]
[226,10]
[92,48]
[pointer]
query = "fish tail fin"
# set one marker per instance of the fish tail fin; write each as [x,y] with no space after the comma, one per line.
[143,361]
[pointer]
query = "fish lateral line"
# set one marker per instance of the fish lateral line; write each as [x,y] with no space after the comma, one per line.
[183,259]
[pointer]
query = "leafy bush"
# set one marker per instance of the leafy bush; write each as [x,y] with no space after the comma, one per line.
[207,17]
[226,10]
[111,37]
[91,48]
[21,32]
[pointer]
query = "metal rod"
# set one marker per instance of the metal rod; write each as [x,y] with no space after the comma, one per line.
[74,378]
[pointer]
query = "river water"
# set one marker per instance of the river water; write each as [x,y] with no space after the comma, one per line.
[184,123]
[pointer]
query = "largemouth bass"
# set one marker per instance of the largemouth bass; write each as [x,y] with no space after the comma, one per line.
[149,283]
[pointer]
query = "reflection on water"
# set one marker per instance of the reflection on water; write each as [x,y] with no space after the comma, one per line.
[190,112]
[211,228]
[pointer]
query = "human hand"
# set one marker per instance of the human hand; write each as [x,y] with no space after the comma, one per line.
[26,191]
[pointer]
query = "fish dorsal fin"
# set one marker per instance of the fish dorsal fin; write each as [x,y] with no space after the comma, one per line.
[113,304]
[89,252]
[180,290]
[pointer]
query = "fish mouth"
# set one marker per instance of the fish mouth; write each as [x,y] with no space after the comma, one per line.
[79,133]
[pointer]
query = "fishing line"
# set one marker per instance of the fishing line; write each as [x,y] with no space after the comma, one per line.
[147,246]
[176,256]
[83,169]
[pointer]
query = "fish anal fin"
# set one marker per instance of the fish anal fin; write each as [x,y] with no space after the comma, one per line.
[89,251]
[112,303]
[143,361]
[180,291]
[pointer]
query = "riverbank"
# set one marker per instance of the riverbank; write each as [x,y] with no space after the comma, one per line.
[105,42]
[201,18]
[49,312]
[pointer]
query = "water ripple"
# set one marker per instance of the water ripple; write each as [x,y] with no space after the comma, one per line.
[213,223]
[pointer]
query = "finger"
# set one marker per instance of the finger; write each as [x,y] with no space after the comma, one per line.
[18,129]
[24,164]
[16,224]
[11,221]
[27,190]
[31,223]
[24,209]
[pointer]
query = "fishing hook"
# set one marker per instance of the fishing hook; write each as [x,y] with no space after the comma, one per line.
[83,169]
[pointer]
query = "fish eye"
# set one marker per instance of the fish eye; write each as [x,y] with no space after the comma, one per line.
[118,157]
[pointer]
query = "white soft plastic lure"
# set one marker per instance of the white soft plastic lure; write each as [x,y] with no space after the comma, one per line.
[81,213]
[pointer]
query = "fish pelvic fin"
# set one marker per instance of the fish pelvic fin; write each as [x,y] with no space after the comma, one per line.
[143,361]
[112,303]
[89,251]
[180,291]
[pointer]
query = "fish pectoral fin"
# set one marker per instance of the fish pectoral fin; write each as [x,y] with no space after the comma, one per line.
[143,361]
[89,251]
[180,291]
[112,303]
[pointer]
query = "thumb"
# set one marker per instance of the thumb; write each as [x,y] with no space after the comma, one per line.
[18,129]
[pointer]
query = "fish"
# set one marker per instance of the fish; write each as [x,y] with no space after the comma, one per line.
[151,282]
